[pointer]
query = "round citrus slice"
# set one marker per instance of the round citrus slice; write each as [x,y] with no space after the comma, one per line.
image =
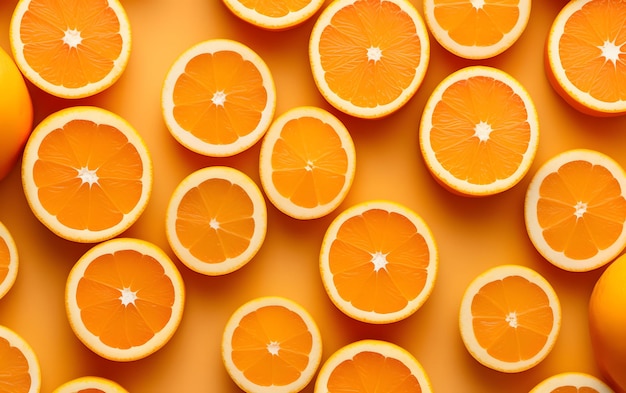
[584,56]
[71,49]
[479,132]
[378,262]
[274,15]
[572,382]
[307,162]
[216,220]
[372,366]
[218,98]
[510,318]
[19,366]
[477,29]
[575,210]
[271,344]
[124,299]
[86,173]
[90,384]
[369,57]
[9,260]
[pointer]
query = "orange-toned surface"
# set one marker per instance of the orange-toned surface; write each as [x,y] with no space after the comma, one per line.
[472,234]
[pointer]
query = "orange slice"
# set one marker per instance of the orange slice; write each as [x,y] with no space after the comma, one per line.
[378,262]
[572,382]
[124,299]
[372,366]
[369,57]
[9,260]
[585,59]
[479,132]
[19,366]
[307,162]
[274,15]
[477,29]
[87,174]
[90,384]
[218,98]
[575,210]
[510,318]
[271,344]
[216,220]
[71,49]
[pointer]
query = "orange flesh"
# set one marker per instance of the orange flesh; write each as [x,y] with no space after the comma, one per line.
[13,369]
[99,298]
[275,8]
[309,162]
[378,235]
[467,109]
[42,31]
[512,318]
[575,184]
[5,259]
[470,26]
[372,372]
[198,91]
[344,45]
[276,328]
[82,144]
[580,50]
[574,389]
[91,390]
[214,221]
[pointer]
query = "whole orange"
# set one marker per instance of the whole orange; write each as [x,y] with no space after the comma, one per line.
[16,113]
[607,322]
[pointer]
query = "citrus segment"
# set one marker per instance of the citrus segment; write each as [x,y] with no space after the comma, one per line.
[378,262]
[509,319]
[124,299]
[271,344]
[575,210]
[274,15]
[477,29]
[90,384]
[9,260]
[585,61]
[479,131]
[372,366]
[369,57]
[19,366]
[572,382]
[218,98]
[307,162]
[71,49]
[87,174]
[216,220]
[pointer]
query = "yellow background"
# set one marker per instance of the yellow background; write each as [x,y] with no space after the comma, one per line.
[472,234]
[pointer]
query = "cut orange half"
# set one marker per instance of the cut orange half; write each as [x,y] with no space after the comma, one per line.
[71,49]
[369,57]
[477,29]
[307,162]
[479,131]
[19,366]
[86,173]
[510,318]
[372,366]
[585,59]
[575,210]
[216,220]
[271,345]
[274,15]
[218,98]
[9,260]
[572,382]
[90,384]
[378,262]
[124,299]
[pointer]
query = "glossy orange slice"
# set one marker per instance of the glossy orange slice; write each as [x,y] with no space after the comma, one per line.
[9,260]
[19,366]
[276,14]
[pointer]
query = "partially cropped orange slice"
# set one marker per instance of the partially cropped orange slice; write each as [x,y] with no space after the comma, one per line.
[378,262]
[276,14]
[73,48]
[124,299]
[90,384]
[572,382]
[9,260]
[19,366]
[271,345]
